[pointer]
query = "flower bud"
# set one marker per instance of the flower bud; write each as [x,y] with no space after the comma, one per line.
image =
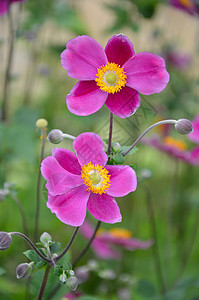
[107,274]
[41,123]
[72,283]
[45,238]
[63,277]
[55,136]
[5,240]
[116,147]
[24,270]
[184,126]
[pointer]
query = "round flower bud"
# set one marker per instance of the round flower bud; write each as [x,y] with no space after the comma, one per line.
[72,283]
[41,123]
[63,277]
[184,126]
[55,136]
[116,147]
[24,270]
[5,240]
[45,238]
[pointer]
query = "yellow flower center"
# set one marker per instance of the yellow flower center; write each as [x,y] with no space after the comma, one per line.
[187,3]
[111,78]
[121,233]
[175,143]
[96,178]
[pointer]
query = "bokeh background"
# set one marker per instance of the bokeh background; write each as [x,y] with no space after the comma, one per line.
[165,206]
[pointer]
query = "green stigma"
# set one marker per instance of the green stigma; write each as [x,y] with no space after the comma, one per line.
[95,178]
[111,78]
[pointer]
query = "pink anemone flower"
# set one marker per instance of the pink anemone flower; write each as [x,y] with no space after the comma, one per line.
[189,6]
[105,242]
[4,5]
[75,183]
[72,296]
[114,76]
[194,136]
[175,148]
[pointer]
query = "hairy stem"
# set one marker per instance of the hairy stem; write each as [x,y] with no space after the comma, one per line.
[68,246]
[87,246]
[110,134]
[4,112]
[155,248]
[43,137]
[49,261]
[147,130]
[44,282]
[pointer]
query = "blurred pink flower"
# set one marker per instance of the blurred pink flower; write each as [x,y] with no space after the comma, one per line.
[72,296]
[114,76]
[4,5]
[194,136]
[175,148]
[75,183]
[105,241]
[189,6]
[177,59]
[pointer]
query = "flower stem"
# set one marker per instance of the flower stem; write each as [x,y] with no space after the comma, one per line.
[68,246]
[147,130]
[155,248]
[87,246]
[43,137]
[49,261]
[4,112]
[44,282]
[68,136]
[110,134]
[23,216]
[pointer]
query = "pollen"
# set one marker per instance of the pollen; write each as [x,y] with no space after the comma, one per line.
[169,141]
[111,78]
[187,3]
[121,233]
[96,178]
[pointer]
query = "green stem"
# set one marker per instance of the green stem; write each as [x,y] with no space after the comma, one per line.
[44,282]
[23,216]
[110,134]
[43,137]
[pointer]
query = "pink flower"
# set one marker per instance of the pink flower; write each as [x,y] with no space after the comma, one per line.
[4,5]
[177,59]
[175,148]
[189,6]
[72,296]
[105,241]
[194,136]
[113,76]
[77,183]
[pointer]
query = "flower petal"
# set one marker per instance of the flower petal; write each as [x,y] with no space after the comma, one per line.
[85,98]
[82,57]
[133,244]
[70,208]
[124,103]
[146,73]
[119,49]
[58,179]
[104,208]
[67,160]
[123,180]
[89,148]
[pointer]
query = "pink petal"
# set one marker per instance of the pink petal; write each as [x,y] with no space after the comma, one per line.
[119,49]
[123,180]
[85,98]
[194,136]
[89,148]
[194,157]
[70,208]
[58,179]
[3,7]
[82,57]
[104,208]
[124,103]
[67,160]
[146,73]
[133,244]
[104,250]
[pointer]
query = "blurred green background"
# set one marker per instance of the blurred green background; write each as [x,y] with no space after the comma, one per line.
[37,88]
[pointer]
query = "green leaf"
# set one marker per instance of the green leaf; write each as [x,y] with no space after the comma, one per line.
[33,256]
[2,271]
[55,247]
[58,270]
[118,159]
[125,148]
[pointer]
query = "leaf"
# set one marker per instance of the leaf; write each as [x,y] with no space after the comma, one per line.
[118,159]
[55,247]
[125,148]
[33,256]
[146,289]
[2,271]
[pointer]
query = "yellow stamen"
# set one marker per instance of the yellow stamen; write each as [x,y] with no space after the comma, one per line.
[111,78]
[187,3]
[175,143]
[121,233]
[96,178]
